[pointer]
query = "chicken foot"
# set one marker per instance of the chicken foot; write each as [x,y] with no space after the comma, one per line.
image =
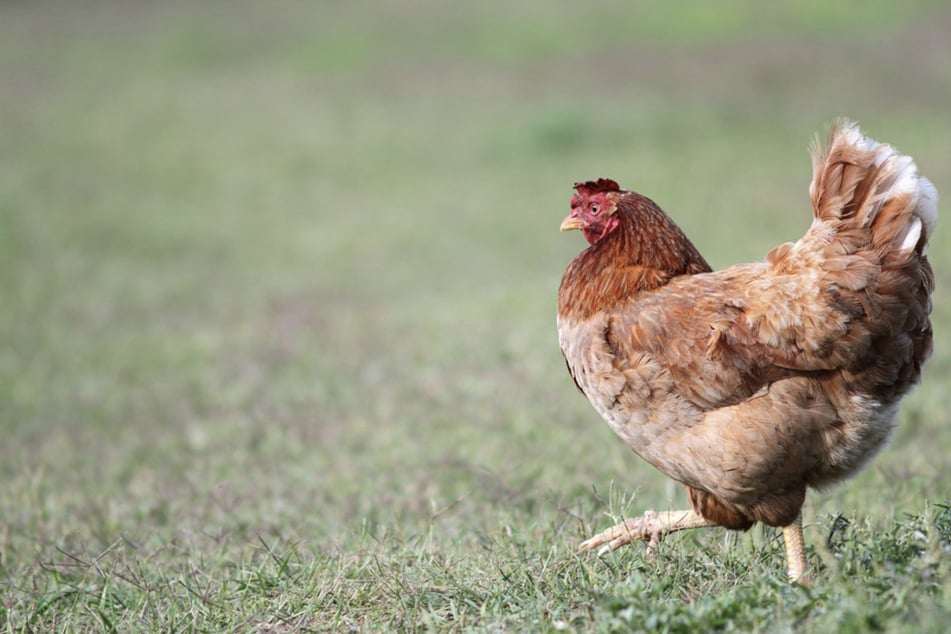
[652,527]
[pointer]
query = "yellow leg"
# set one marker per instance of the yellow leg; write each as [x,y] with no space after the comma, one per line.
[650,527]
[795,551]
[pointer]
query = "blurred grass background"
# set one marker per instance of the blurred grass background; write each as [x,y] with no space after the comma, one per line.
[286,275]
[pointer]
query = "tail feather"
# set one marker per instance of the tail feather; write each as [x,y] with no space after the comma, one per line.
[873,215]
[860,185]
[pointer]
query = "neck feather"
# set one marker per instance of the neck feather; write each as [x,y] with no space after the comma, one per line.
[645,251]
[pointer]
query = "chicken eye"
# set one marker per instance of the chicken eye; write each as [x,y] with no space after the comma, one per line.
[595,208]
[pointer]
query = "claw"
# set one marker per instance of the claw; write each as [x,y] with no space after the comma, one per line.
[650,527]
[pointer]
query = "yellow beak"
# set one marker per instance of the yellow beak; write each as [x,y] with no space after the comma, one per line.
[570,224]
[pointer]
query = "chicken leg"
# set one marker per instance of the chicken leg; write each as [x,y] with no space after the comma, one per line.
[652,527]
[795,551]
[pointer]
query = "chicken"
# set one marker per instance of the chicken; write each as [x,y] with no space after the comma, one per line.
[751,384]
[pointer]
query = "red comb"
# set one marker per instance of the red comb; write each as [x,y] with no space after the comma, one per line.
[596,187]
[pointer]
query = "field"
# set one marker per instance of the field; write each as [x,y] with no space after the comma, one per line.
[277,296]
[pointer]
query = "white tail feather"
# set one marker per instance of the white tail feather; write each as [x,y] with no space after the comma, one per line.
[927,204]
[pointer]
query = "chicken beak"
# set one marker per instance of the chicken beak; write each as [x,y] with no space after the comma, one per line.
[570,223]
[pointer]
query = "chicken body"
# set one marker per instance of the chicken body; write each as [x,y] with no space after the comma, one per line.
[753,383]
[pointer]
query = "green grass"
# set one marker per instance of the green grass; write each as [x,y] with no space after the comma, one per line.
[277,311]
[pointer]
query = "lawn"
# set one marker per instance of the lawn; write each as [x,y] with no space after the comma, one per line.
[277,295]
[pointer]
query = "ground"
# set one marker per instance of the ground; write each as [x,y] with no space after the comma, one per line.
[278,294]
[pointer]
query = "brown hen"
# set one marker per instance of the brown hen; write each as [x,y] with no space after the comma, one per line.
[750,384]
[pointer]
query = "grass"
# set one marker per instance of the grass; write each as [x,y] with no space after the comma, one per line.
[278,311]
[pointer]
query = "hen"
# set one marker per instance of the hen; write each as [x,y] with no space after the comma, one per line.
[750,384]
